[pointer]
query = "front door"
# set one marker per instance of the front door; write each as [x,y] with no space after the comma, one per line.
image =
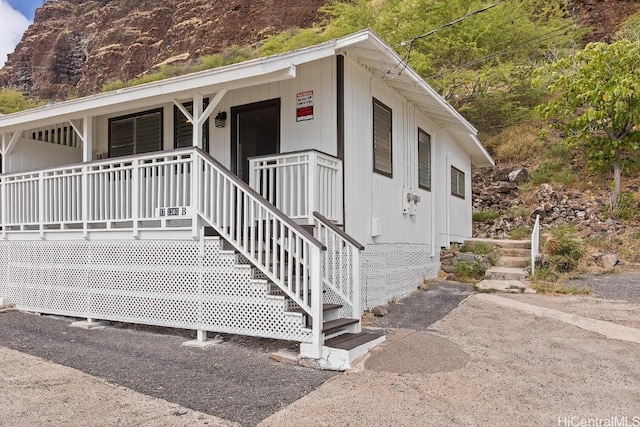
[255,131]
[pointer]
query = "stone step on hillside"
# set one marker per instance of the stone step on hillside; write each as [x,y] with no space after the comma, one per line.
[503,244]
[513,261]
[505,273]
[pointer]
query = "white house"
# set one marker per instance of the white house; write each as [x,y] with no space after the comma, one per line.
[279,197]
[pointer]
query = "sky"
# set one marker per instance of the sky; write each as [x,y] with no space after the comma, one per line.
[15,17]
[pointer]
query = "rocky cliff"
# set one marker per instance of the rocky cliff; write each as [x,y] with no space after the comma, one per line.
[75,46]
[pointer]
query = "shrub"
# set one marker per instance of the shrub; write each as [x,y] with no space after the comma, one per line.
[484,215]
[519,233]
[466,271]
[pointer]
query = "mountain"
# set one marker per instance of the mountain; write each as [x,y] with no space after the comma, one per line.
[75,46]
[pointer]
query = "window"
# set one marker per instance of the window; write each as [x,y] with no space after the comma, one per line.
[382,157]
[424,160]
[457,182]
[136,133]
[183,129]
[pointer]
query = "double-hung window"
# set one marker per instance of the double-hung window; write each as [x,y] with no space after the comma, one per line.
[136,133]
[382,143]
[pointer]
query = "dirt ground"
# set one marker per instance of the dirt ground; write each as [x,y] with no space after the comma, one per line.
[483,364]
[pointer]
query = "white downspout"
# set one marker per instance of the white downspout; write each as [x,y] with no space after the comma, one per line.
[433,204]
[447,190]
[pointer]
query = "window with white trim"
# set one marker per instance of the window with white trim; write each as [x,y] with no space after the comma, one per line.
[136,133]
[457,182]
[382,143]
[424,160]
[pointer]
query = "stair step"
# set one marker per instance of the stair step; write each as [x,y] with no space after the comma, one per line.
[325,307]
[505,273]
[334,325]
[350,341]
[513,261]
[513,244]
[516,252]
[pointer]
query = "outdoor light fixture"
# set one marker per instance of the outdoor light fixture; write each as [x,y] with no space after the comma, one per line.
[220,119]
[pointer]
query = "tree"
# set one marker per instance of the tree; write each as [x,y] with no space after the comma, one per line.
[596,103]
[481,65]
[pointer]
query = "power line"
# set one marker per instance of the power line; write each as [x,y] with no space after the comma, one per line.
[411,41]
[450,24]
[540,37]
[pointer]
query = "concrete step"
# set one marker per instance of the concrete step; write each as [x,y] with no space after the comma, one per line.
[515,252]
[513,261]
[505,273]
[513,244]
[505,286]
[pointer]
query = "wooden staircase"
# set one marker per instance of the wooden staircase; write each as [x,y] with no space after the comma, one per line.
[343,339]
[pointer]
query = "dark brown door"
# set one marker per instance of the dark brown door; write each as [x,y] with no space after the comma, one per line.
[255,131]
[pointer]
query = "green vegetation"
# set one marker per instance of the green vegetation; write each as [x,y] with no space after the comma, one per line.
[596,103]
[484,215]
[480,248]
[232,55]
[481,65]
[12,101]
[520,233]
[469,271]
[562,252]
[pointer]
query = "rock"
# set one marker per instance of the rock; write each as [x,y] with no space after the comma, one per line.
[506,187]
[75,46]
[519,175]
[609,260]
[379,311]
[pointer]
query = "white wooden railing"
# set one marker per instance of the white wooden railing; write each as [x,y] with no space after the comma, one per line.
[181,189]
[535,244]
[300,183]
[340,263]
[124,193]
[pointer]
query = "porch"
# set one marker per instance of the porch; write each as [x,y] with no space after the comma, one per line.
[125,239]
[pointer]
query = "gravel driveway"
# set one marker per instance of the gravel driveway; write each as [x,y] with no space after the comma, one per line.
[235,380]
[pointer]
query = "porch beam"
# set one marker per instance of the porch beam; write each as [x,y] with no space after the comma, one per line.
[77,130]
[183,110]
[212,105]
[8,148]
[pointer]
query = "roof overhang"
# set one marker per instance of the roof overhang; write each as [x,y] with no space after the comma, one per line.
[364,47]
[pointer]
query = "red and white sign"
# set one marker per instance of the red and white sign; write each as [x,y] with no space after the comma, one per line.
[304,106]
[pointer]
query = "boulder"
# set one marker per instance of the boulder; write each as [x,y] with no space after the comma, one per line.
[379,311]
[518,176]
[609,260]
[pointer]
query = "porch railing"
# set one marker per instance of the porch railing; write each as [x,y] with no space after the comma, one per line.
[300,183]
[116,193]
[340,263]
[179,189]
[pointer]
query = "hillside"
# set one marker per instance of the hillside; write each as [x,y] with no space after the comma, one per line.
[75,46]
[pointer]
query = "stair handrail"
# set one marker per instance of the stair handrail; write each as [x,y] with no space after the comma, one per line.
[343,281]
[272,238]
[535,244]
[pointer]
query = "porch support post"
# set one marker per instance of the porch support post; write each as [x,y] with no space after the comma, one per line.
[315,281]
[87,138]
[4,149]
[357,286]
[3,194]
[197,126]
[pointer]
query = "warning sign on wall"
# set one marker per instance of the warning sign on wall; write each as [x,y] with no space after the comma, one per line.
[304,106]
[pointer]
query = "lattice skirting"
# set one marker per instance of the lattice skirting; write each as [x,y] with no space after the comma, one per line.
[392,270]
[185,284]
